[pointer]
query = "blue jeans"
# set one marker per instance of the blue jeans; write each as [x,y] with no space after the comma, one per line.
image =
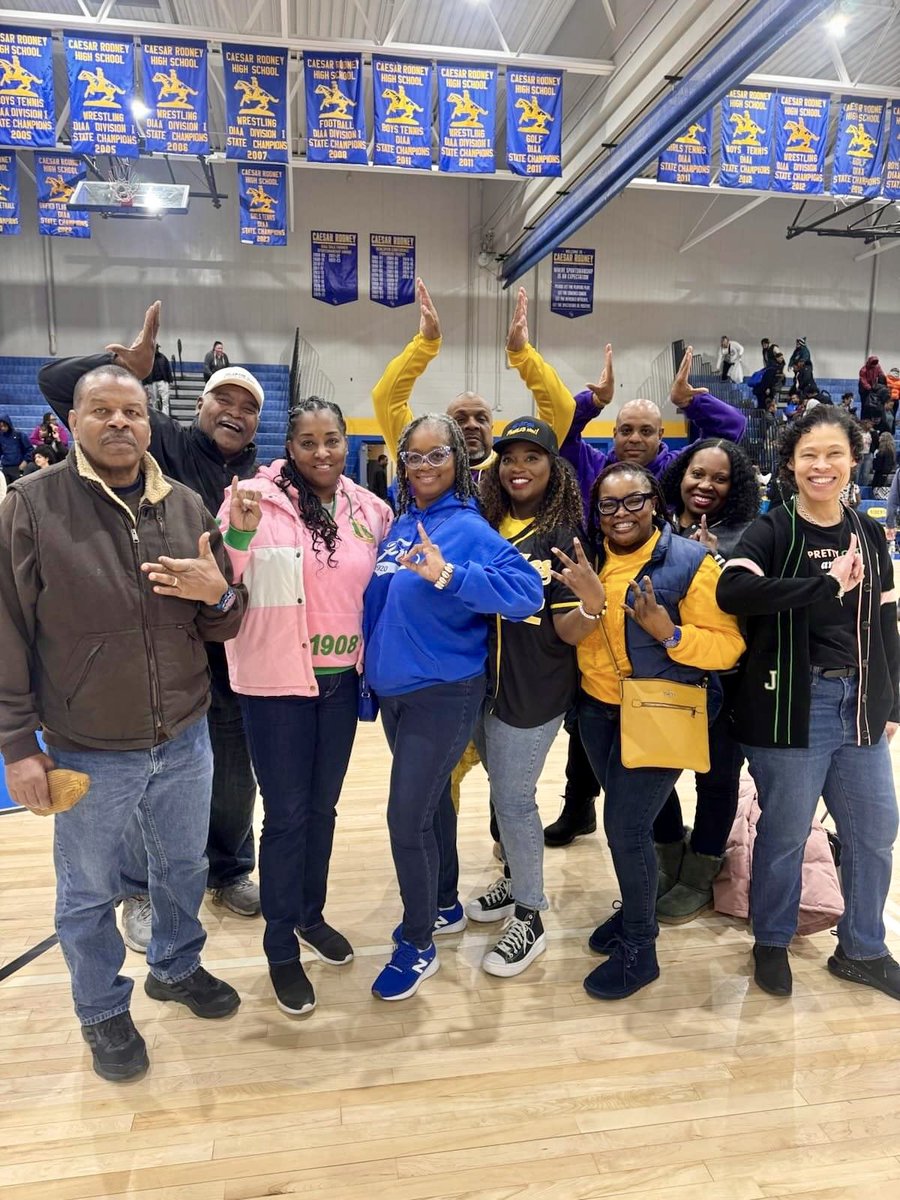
[514,759]
[300,747]
[168,788]
[633,799]
[857,785]
[427,731]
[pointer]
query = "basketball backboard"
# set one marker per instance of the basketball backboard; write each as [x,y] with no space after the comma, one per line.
[128,198]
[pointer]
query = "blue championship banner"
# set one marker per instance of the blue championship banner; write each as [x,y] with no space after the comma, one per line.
[747,119]
[335,274]
[402,93]
[859,148]
[255,103]
[890,176]
[801,130]
[101,91]
[9,193]
[534,122]
[392,269]
[467,104]
[572,282]
[335,121]
[175,91]
[688,158]
[263,205]
[27,114]
[56,176]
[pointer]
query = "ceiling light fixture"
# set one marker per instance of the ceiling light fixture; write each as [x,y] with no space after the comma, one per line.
[836,25]
[139,110]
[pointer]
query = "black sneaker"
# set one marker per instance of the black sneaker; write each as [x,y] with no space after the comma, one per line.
[326,944]
[495,905]
[118,1050]
[577,818]
[773,971]
[523,939]
[294,993]
[201,992]
[882,973]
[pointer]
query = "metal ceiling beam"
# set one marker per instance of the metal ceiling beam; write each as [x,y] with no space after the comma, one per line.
[750,42]
[610,15]
[735,216]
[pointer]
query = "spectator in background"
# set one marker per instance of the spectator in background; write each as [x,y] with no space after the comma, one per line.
[215,360]
[42,457]
[15,449]
[730,363]
[879,408]
[892,380]
[870,443]
[772,378]
[848,403]
[378,481]
[800,357]
[159,379]
[52,434]
[885,466]
[871,376]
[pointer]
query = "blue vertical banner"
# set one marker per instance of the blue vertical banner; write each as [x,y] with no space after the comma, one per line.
[335,120]
[859,148]
[175,91]
[801,131]
[9,193]
[263,205]
[56,176]
[534,122]
[401,90]
[890,176]
[467,107]
[256,87]
[335,270]
[748,118]
[572,282]
[688,158]
[101,92]
[27,114]
[392,269]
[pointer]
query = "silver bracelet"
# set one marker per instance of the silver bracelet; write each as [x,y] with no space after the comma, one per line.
[590,616]
[445,576]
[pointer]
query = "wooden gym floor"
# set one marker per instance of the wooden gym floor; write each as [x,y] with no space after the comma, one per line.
[698,1088]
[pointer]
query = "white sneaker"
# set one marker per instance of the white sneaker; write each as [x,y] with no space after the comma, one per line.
[137,923]
[495,905]
[523,939]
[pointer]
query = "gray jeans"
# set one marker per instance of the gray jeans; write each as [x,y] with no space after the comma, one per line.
[514,759]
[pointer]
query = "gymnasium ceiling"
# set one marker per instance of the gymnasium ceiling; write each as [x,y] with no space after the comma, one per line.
[616,53]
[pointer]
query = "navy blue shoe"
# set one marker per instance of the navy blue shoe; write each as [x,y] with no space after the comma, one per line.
[604,938]
[448,920]
[626,971]
[403,975]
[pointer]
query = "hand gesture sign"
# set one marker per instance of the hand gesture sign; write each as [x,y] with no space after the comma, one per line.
[848,569]
[138,357]
[244,513]
[704,537]
[424,558]
[517,337]
[429,321]
[197,579]
[651,617]
[605,388]
[581,579]
[682,393]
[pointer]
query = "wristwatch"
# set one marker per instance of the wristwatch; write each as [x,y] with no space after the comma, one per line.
[671,642]
[226,601]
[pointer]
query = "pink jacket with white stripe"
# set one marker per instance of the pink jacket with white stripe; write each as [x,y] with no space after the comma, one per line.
[284,577]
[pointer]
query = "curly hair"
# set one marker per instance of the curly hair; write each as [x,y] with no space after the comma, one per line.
[463,486]
[595,537]
[822,414]
[742,502]
[560,503]
[313,513]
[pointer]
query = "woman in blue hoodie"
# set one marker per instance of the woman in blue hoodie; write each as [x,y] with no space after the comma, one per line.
[439,574]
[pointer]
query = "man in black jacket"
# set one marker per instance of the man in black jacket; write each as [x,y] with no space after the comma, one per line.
[205,457]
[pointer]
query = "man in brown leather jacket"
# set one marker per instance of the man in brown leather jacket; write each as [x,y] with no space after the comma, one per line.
[111,578]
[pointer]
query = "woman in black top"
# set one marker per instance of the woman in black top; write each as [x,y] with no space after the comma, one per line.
[885,464]
[531,497]
[817,702]
[712,491]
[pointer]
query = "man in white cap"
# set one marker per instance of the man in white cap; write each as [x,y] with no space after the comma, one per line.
[204,456]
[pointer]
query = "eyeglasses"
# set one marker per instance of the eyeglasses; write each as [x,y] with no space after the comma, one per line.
[632,503]
[434,458]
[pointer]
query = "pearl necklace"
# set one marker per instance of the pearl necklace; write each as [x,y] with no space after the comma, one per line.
[807,516]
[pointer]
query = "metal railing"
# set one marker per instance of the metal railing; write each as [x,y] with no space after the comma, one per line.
[306,376]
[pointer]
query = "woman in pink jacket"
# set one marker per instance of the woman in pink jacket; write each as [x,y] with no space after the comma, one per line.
[303,538]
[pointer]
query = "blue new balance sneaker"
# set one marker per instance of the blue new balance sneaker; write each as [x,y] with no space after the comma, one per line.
[406,970]
[448,920]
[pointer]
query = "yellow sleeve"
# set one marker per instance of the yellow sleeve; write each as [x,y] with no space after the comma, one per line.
[710,638]
[390,395]
[555,403]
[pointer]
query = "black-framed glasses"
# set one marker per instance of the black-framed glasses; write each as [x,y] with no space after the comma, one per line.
[434,458]
[633,503]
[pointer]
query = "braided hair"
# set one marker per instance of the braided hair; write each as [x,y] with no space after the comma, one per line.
[463,486]
[560,504]
[595,536]
[312,511]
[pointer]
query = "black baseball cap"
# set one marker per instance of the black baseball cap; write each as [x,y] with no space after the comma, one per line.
[528,429]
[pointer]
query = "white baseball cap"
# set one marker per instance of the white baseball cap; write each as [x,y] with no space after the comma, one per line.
[239,377]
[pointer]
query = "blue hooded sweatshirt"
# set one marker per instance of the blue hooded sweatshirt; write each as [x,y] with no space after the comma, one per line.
[416,635]
[14,445]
